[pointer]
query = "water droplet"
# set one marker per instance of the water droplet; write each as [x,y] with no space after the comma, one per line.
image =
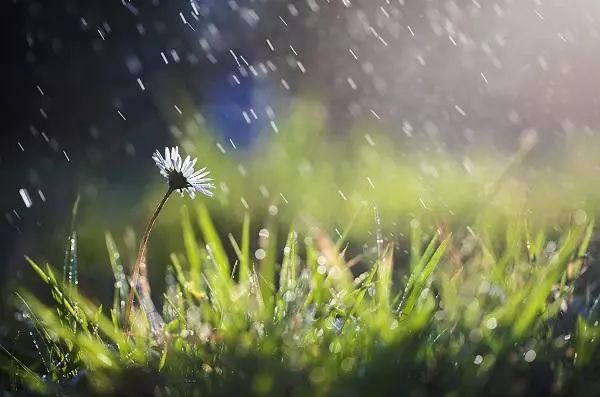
[530,356]
[580,217]
[491,323]
[260,254]
[263,233]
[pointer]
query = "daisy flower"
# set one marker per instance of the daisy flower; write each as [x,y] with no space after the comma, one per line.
[182,177]
[180,173]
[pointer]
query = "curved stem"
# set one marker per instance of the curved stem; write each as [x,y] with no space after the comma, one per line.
[140,256]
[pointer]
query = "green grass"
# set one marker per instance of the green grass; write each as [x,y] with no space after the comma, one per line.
[301,321]
[333,267]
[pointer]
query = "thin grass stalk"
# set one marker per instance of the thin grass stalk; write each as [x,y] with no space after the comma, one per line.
[140,257]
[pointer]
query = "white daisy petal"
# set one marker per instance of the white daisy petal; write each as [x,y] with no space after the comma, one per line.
[157,157]
[168,158]
[174,157]
[190,170]
[205,191]
[179,162]
[199,172]
[199,179]
[185,165]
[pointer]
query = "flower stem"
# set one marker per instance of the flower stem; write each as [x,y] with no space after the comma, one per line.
[140,257]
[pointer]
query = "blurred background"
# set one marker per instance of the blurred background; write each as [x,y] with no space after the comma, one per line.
[302,109]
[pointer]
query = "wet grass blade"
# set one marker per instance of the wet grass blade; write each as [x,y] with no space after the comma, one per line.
[384,278]
[70,268]
[245,251]
[417,267]
[421,279]
[267,271]
[288,273]
[121,284]
[213,242]
[192,250]
[541,284]
[415,244]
